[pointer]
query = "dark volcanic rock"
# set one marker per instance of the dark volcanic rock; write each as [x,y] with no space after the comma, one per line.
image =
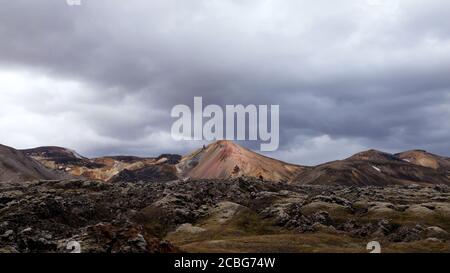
[108,238]
[171,158]
[45,216]
[159,172]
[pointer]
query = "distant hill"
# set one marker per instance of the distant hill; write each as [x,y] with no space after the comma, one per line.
[374,168]
[17,166]
[425,159]
[109,168]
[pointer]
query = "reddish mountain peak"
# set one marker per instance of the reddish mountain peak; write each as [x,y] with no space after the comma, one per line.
[225,159]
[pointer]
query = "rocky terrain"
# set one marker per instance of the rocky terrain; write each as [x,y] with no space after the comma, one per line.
[222,198]
[45,216]
[238,215]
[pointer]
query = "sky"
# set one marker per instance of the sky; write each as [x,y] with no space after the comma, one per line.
[350,75]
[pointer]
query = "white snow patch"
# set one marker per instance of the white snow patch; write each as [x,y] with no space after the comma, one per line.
[77,155]
[376,169]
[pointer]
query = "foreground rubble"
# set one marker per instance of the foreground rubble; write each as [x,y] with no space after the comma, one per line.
[220,215]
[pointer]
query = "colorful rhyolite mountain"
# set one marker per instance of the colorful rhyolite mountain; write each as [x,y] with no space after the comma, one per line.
[225,159]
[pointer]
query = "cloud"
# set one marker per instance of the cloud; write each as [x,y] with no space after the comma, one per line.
[102,77]
[320,149]
[37,111]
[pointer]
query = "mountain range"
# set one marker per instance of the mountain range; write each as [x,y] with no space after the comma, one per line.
[226,160]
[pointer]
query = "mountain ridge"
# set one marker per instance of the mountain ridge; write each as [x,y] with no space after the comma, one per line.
[16,166]
[227,160]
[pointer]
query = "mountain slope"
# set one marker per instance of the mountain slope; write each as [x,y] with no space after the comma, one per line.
[225,159]
[112,168]
[425,159]
[59,158]
[54,157]
[372,168]
[16,166]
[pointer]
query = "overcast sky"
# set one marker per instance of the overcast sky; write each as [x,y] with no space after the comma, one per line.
[348,75]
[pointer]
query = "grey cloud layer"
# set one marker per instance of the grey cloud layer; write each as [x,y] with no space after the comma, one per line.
[348,75]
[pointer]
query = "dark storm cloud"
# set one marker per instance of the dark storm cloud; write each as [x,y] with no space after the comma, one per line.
[348,75]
